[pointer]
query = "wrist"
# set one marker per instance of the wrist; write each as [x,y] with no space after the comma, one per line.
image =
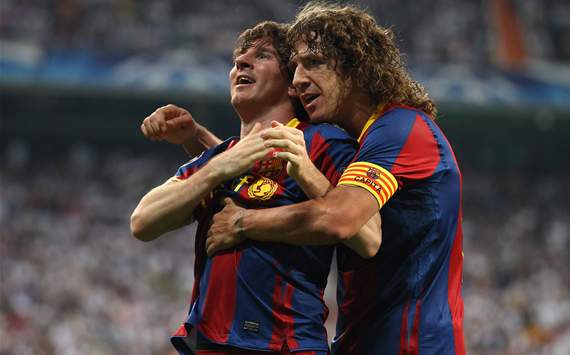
[239,224]
[243,224]
[214,171]
[193,135]
[308,175]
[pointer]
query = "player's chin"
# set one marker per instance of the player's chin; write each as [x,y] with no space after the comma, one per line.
[317,118]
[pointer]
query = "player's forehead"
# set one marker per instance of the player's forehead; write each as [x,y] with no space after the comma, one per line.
[301,51]
[263,44]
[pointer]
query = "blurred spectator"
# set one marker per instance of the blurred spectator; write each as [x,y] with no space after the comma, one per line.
[75,282]
[440,31]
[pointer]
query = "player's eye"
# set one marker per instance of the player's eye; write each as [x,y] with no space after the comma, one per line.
[263,55]
[313,62]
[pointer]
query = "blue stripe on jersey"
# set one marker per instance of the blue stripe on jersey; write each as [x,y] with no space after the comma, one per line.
[419,224]
[386,138]
[278,287]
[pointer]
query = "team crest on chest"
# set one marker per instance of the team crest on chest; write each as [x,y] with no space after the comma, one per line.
[262,189]
[270,168]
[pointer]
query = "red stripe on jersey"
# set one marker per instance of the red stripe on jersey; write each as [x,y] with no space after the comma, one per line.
[415,338]
[404,331]
[419,156]
[325,311]
[454,297]
[455,277]
[325,164]
[356,302]
[181,331]
[288,317]
[275,344]
[220,304]
[186,174]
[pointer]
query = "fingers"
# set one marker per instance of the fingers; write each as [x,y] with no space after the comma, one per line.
[150,130]
[211,247]
[256,129]
[157,124]
[292,158]
[285,144]
[215,243]
[154,125]
[171,111]
[284,132]
[276,124]
[183,121]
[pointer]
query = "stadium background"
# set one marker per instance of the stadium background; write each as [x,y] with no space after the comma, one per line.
[78,76]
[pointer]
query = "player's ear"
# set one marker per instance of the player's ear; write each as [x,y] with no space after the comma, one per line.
[292,92]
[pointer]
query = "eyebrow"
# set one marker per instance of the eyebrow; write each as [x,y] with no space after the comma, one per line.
[293,57]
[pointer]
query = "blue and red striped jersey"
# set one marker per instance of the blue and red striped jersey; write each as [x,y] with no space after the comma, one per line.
[407,299]
[264,296]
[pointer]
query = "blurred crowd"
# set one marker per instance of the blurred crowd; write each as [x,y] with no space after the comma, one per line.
[74,281]
[429,31]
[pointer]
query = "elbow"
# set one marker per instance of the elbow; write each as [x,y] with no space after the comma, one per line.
[344,229]
[371,248]
[139,229]
[334,229]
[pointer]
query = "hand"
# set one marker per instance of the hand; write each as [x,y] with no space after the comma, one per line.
[170,123]
[290,144]
[226,229]
[242,156]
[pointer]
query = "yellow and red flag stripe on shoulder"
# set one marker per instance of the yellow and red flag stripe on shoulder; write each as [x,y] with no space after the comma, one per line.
[374,178]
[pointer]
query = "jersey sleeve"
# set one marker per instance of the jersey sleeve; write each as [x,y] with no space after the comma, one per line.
[331,149]
[399,148]
[189,168]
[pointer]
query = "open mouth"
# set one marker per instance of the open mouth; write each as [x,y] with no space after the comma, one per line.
[309,98]
[244,80]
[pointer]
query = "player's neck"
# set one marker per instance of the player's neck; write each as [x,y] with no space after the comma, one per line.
[357,114]
[282,113]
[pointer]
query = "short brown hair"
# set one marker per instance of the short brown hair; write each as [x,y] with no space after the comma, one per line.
[362,50]
[275,33]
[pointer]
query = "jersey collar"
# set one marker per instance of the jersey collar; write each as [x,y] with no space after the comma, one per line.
[371,120]
[293,123]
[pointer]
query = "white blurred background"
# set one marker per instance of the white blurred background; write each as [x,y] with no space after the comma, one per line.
[78,76]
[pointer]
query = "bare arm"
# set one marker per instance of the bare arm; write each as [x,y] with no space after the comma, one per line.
[170,206]
[177,126]
[299,166]
[201,140]
[336,217]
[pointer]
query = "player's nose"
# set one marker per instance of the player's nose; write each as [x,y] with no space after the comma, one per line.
[243,61]
[300,79]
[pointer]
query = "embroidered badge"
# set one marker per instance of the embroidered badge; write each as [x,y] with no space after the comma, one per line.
[373,173]
[270,168]
[263,189]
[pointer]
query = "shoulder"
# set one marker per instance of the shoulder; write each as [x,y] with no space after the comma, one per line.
[210,153]
[197,162]
[398,117]
[325,130]
[397,124]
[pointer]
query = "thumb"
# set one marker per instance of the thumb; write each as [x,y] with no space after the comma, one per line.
[256,128]
[228,202]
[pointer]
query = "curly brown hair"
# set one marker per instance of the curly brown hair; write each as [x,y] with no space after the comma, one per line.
[362,51]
